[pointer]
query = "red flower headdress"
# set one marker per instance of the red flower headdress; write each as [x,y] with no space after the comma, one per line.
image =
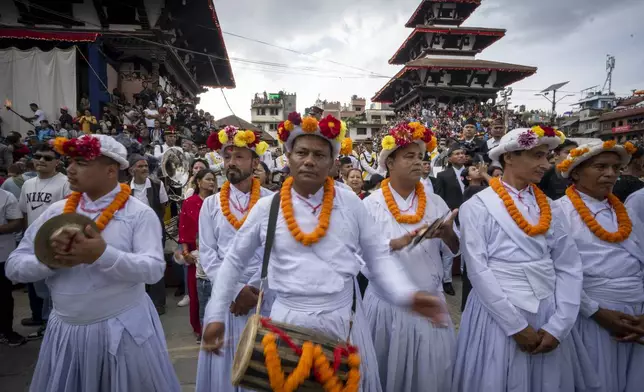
[87,147]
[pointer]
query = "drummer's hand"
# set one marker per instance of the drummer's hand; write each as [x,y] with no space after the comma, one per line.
[245,301]
[431,307]
[212,338]
[86,247]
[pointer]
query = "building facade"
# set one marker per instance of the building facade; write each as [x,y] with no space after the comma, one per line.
[267,110]
[623,125]
[367,126]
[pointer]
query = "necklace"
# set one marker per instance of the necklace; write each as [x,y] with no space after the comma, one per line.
[307,239]
[545,216]
[224,200]
[624,224]
[108,213]
[395,210]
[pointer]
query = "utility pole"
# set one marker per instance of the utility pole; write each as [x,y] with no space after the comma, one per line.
[506,94]
[554,88]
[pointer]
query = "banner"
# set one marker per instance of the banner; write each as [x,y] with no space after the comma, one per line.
[47,79]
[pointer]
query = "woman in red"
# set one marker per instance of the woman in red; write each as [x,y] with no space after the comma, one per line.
[204,184]
[354,180]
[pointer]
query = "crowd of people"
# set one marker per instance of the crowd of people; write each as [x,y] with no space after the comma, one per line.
[369,240]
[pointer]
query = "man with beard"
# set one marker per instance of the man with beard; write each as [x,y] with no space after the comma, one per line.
[219,219]
[319,233]
[104,333]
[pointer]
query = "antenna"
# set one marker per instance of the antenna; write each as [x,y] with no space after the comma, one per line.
[610,66]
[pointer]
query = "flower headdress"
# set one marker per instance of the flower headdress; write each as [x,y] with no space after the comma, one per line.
[329,128]
[403,135]
[526,139]
[589,150]
[233,136]
[347,146]
[90,147]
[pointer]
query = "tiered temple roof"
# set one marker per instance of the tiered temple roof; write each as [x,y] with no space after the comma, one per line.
[439,57]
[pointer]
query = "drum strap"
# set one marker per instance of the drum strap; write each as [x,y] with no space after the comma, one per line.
[270,238]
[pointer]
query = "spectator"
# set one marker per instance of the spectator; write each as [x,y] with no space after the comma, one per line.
[38,116]
[630,180]
[87,122]
[45,131]
[15,180]
[65,118]
[552,184]
[10,223]
[6,156]
[151,114]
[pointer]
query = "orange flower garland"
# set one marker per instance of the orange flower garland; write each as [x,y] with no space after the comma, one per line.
[224,200]
[624,224]
[312,358]
[104,219]
[307,239]
[395,211]
[542,201]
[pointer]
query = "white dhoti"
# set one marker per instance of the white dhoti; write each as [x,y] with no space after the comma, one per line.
[123,353]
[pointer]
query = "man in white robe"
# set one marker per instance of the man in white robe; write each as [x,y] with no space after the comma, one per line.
[312,273]
[104,333]
[635,202]
[216,234]
[413,355]
[515,333]
[611,321]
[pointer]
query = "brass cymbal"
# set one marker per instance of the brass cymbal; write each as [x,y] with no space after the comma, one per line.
[42,243]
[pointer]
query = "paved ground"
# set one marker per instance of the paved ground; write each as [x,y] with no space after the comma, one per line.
[17,364]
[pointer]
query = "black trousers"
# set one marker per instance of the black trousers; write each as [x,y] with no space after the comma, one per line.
[6,302]
[157,292]
[35,303]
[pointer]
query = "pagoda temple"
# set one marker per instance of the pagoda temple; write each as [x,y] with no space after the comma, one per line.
[439,58]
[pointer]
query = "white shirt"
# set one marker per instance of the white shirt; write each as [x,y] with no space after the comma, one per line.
[114,285]
[267,158]
[40,115]
[281,162]
[427,182]
[140,191]
[459,173]
[613,272]
[128,115]
[149,122]
[492,142]
[9,210]
[216,163]
[485,242]
[160,150]
[309,274]
[423,263]
[635,203]
[216,234]
[38,194]
[368,163]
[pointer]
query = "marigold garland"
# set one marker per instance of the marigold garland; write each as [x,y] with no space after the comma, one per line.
[624,224]
[312,358]
[395,211]
[104,219]
[307,239]
[224,200]
[276,377]
[542,201]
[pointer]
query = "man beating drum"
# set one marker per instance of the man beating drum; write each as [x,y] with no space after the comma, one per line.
[320,230]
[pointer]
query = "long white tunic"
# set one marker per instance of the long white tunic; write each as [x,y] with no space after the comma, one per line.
[635,203]
[518,281]
[314,284]
[216,235]
[613,279]
[413,354]
[103,333]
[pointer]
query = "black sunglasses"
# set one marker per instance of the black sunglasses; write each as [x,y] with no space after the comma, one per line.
[47,158]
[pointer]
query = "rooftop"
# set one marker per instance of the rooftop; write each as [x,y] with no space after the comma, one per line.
[464,9]
[622,114]
[243,124]
[486,38]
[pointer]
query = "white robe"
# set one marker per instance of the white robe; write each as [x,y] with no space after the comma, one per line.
[104,333]
[216,235]
[613,279]
[518,281]
[314,284]
[635,203]
[368,163]
[413,354]
[216,163]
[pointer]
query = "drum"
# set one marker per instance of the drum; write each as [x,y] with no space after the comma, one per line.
[249,368]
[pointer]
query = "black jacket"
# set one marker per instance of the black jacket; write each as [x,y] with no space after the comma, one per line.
[449,189]
[553,185]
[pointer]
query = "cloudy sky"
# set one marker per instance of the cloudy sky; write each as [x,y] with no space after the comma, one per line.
[344,46]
